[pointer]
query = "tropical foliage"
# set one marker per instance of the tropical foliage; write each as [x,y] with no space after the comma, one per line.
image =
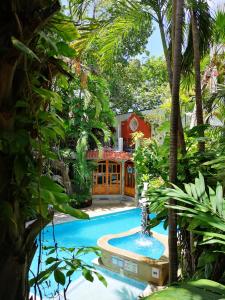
[201,211]
[191,290]
[36,69]
[62,71]
[138,86]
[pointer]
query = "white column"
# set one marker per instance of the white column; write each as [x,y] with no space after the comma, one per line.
[120,144]
[122,177]
[119,130]
[136,186]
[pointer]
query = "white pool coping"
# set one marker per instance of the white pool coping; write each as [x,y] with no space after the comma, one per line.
[60,218]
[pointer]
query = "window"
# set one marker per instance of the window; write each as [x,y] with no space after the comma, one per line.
[100,179]
[134,124]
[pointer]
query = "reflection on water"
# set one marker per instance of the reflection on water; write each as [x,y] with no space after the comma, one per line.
[143,241]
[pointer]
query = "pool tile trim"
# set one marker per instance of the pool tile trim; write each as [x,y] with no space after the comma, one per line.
[145,264]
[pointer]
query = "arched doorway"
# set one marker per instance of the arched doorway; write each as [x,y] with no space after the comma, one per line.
[107,178]
[129,182]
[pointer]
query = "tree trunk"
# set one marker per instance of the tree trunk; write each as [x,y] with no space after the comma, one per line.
[13,274]
[198,91]
[177,48]
[167,55]
[187,253]
[21,20]
[17,249]
[64,170]
[218,268]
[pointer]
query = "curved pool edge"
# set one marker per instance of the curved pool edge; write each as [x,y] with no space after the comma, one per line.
[141,267]
[103,242]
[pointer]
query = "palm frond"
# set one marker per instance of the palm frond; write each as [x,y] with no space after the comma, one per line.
[219,27]
[127,19]
[205,27]
[203,206]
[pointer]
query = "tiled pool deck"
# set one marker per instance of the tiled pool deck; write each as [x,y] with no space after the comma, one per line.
[99,207]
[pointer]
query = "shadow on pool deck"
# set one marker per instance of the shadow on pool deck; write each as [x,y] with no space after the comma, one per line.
[116,290]
[125,294]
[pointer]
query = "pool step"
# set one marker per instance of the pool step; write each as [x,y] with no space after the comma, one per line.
[112,199]
[146,287]
[133,282]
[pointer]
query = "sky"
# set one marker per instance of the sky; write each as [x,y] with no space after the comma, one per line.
[154,44]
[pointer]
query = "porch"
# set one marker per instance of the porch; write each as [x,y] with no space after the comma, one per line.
[114,176]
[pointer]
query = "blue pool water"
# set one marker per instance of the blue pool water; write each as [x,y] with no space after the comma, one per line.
[140,244]
[85,233]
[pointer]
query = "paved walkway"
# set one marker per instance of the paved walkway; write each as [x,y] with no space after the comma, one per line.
[115,290]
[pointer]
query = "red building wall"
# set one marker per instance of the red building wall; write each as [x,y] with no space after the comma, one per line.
[126,131]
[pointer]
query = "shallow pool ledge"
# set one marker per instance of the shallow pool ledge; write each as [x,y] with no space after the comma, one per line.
[134,265]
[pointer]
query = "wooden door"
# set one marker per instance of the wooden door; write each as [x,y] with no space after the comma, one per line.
[107,178]
[99,179]
[129,185]
[114,174]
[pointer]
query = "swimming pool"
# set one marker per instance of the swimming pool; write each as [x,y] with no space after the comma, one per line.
[85,233]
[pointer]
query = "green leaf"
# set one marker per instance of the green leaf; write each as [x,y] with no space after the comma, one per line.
[42,276]
[52,251]
[67,209]
[219,198]
[50,260]
[188,189]
[212,197]
[193,224]
[200,187]
[87,275]
[74,264]
[23,48]
[65,50]
[194,191]
[69,273]
[48,184]
[211,220]
[101,278]
[49,95]
[211,234]
[47,196]
[59,277]
[65,28]
[213,241]
[192,290]
[206,258]
[88,250]
[48,40]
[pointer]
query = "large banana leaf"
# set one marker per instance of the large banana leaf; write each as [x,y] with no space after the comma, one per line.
[203,206]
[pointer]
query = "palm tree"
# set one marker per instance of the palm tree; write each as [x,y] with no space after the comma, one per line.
[178,17]
[200,37]
[159,8]
[198,91]
[198,41]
